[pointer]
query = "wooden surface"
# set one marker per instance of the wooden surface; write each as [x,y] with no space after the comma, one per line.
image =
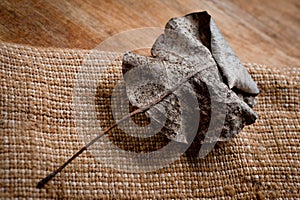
[266,32]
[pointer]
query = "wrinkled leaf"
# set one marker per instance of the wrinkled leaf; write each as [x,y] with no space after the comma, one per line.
[192,46]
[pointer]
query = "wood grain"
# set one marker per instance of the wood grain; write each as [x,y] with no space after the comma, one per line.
[266,32]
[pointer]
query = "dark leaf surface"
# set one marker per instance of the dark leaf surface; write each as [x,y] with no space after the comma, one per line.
[193,47]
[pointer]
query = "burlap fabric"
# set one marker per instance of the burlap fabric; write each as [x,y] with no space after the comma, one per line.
[38,133]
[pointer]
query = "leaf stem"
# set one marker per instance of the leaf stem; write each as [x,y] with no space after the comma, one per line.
[45,180]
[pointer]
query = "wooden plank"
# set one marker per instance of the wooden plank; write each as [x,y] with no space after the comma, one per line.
[266,32]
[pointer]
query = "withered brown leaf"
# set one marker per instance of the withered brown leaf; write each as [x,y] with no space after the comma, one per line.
[193,53]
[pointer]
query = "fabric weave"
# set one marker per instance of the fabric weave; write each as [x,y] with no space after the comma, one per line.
[38,133]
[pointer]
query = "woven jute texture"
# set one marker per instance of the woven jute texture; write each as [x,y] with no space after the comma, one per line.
[39,132]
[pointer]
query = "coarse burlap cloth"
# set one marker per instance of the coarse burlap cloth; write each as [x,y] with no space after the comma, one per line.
[38,133]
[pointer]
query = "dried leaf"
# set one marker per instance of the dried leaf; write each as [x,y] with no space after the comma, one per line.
[182,82]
